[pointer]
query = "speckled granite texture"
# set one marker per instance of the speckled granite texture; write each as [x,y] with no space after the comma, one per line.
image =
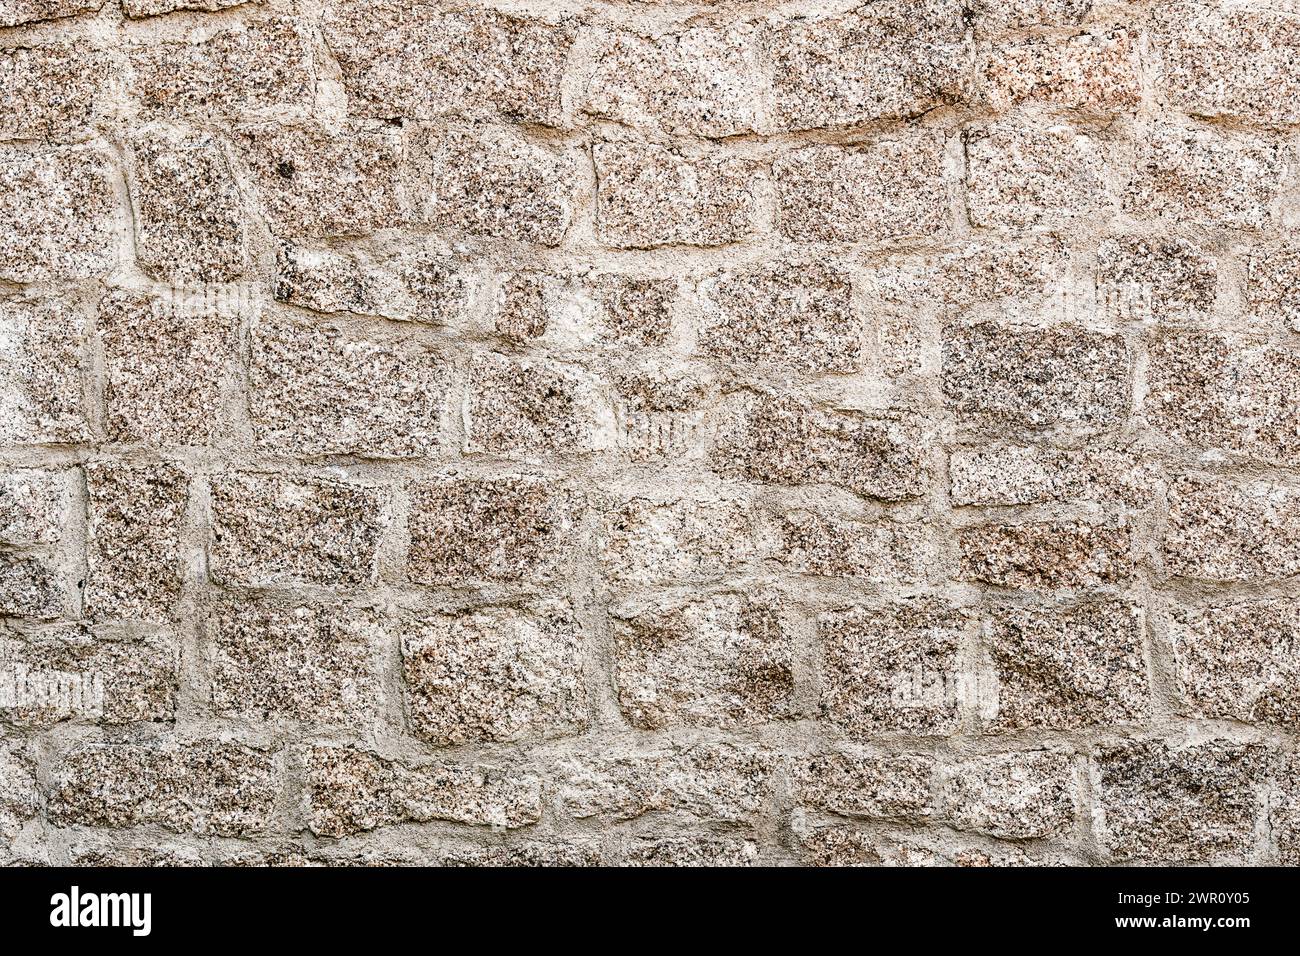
[652,432]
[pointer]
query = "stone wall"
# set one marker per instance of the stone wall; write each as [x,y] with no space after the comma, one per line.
[649,432]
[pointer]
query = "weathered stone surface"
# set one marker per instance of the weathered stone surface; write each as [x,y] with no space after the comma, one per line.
[351,791]
[531,407]
[255,67]
[1221,529]
[136,515]
[208,787]
[721,782]
[1022,795]
[422,286]
[994,15]
[1232,63]
[703,80]
[534,853]
[690,851]
[493,183]
[1022,475]
[1008,273]
[1021,176]
[1206,176]
[567,311]
[56,213]
[68,673]
[647,195]
[892,668]
[892,188]
[1240,661]
[1094,72]
[272,531]
[782,441]
[798,317]
[167,362]
[283,661]
[885,60]
[465,527]
[1194,804]
[416,59]
[723,661]
[315,390]
[190,224]
[1061,377]
[152,8]
[495,674]
[315,181]
[1273,282]
[1046,554]
[654,541]
[1068,668]
[33,505]
[19,800]
[30,587]
[52,91]
[1284,811]
[829,546]
[16,12]
[1154,278]
[1241,395]
[44,365]
[875,787]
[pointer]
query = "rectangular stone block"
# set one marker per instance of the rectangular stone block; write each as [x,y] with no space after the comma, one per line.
[418,60]
[799,318]
[16,12]
[1020,176]
[277,531]
[1284,811]
[69,673]
[31,586]
[33,505]
[1237,63]
[351,791]
[1224,529]
[870,786]
[1010,273]
[1020,796]
[44,371]
[1189,804]
[190,222]
[893,668]
[492,183]
[57,218]
[890,60]
[809,542]
[19,798]
[507,528]
[1096,72]
[169,363]
[723,661]
[662,409]
[709,782]
[280,661]
[1046,554]
[1067,668]
[496,674]
[1141,278]
[421,286]
[532,407]
[990,16]
[1273,283]
[210,787]
[256,67]
[1024,475]
[777,440]
[317,390]
[1228,393]
[53,91]
[703,80]
[1062,377]
[891,189]
[136,515]
[1239,661]
[657,540]
[317,181]
[648,195]
[690,851]
[1206,176]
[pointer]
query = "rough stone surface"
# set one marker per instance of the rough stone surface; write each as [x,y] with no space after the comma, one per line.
[33,506]
[53,91]
[1022,475]
[1154,278]
[1065,554]
[648,541]
[1022,796]
[1221,529]
[1095,72]
[44,358]
[830,546]
[16,12]
[869,787]
[527,407]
